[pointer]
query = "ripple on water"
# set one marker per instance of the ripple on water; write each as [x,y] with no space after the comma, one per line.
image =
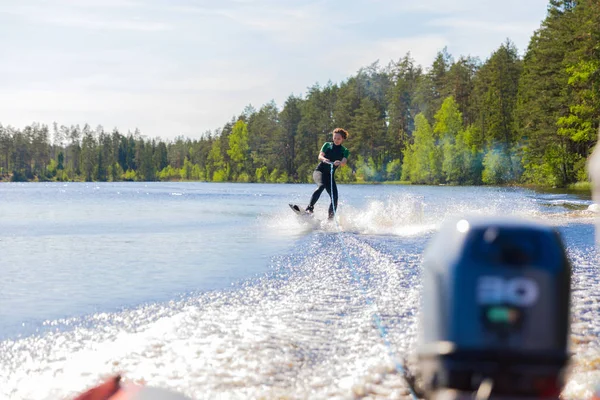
[304,331]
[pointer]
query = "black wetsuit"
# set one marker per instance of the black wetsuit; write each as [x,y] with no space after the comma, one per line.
[322,176]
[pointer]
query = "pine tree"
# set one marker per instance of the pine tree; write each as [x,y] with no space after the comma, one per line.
[89,155]
[544,98]
[433,86]
[369,130]
[460,81]
[582,66]
[314,128]
[404,77]
[290,118]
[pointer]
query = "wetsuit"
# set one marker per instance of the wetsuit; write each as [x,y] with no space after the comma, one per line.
[322,176]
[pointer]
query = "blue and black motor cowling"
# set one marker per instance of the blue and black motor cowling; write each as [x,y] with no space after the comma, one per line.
[495,307]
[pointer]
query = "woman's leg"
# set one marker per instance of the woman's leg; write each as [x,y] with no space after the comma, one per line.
[328,186]
[321,185]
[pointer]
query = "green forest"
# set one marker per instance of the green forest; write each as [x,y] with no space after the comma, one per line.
[530,119]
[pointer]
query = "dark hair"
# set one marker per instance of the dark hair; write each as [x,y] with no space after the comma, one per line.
[342,132]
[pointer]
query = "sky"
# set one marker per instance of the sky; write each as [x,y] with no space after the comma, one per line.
[183,67]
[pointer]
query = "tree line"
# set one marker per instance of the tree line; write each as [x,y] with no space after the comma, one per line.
[511,119]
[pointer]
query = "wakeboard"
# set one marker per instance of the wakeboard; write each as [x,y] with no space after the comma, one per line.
[307,218]
[299,211]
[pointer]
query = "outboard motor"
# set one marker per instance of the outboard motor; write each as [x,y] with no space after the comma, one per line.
[495,310]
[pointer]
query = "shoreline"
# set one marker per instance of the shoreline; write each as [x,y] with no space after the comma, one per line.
[575,188]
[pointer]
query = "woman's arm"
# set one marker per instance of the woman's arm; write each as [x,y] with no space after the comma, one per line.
[322,157]
[342,162]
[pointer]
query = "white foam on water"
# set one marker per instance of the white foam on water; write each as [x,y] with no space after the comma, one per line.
[308,334]
[286,222]
[408,215]
[584,377]
[399,215]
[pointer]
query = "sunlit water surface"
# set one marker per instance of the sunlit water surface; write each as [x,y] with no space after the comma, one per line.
[219,291]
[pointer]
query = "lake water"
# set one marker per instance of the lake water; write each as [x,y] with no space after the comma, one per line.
[219,291]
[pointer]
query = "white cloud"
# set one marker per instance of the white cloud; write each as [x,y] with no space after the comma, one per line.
[155,114]
[100,3]
[86,22]
[219,83]
[516,8]
[432,6]
[356,55]
[72,14]
[478,25]
[282,22]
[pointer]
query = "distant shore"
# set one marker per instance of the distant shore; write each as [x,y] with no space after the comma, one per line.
[575,188]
